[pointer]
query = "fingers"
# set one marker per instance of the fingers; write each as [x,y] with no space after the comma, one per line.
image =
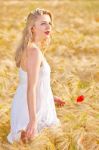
[61,104]
[30,132]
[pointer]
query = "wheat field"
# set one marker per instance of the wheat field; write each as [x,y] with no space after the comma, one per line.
[74,59]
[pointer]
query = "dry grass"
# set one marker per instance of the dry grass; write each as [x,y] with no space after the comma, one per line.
[74,51]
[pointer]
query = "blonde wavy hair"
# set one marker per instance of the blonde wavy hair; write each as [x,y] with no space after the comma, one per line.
[27,35]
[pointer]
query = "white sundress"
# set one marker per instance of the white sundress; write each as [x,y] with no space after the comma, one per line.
[45,106]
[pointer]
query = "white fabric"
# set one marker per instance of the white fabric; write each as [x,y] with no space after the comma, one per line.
[45,106]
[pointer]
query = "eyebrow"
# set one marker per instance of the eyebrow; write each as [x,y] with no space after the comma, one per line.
[46,21]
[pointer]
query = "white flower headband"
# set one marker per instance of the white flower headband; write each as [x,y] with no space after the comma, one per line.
[37,10]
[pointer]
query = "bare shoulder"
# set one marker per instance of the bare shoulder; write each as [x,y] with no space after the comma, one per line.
[33,58]
[33,52]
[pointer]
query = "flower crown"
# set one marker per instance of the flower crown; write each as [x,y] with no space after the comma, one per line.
[37,10]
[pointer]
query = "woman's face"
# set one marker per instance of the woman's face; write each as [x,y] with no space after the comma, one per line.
[42,28]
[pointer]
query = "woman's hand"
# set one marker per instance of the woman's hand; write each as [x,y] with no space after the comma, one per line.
[29,133]
[59,101]
[31,129]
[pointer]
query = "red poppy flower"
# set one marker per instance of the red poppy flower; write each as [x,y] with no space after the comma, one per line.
[80,98]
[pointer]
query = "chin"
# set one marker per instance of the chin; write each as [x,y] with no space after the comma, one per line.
[45,38]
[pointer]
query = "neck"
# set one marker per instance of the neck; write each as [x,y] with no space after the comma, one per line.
[39,44]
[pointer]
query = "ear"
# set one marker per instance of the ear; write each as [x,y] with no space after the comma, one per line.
[33,29]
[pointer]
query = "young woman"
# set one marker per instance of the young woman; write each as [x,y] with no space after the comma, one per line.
[33,106]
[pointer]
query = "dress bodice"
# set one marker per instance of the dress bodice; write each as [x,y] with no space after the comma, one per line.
[44,71]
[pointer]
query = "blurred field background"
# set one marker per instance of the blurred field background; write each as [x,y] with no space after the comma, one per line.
[74,59]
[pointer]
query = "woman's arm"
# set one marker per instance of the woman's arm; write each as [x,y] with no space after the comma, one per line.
[33,66]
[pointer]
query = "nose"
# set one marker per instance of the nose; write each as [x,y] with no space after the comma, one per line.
[48,27]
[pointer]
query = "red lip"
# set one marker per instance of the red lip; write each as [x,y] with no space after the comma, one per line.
[47,32]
